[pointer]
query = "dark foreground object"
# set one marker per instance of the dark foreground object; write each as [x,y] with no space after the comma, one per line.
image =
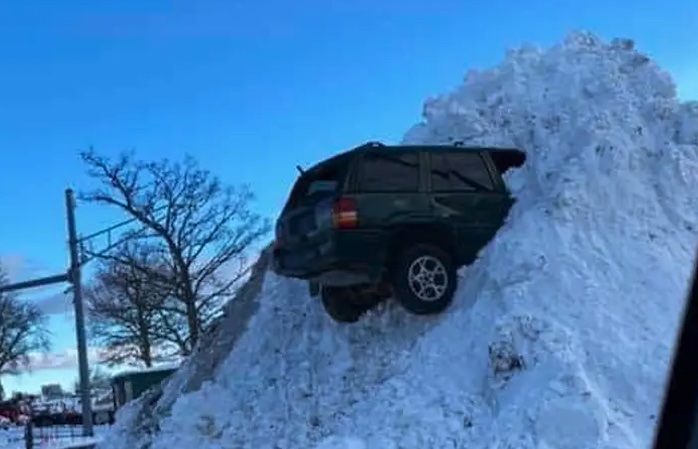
[678,424]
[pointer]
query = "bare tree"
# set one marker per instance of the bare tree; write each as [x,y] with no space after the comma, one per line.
[204,227]
[124,307]
[23,331]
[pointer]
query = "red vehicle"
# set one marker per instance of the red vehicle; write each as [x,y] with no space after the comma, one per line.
[11,410]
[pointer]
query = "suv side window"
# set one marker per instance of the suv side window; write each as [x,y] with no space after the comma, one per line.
[460,172]
[386,172]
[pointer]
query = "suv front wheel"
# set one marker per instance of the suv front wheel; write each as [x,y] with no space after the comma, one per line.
[424,279]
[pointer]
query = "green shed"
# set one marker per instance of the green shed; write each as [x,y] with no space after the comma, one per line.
[129,385]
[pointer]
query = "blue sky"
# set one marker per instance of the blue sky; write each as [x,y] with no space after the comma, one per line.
[251,88]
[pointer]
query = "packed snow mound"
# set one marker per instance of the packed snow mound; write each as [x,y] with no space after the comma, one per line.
[561,331]
[138,421]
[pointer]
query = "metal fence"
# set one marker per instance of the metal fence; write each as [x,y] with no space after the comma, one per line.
[47,437]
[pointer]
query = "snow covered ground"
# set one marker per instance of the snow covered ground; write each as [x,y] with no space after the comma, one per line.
[562,330]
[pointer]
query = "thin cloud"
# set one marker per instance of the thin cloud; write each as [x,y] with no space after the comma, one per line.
[15,266]
[20,268]
[58,303]
[51,299]
[66,359]
[686,79]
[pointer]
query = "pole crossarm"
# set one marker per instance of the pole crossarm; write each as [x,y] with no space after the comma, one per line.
[33,283]
[107,230]
[88,254]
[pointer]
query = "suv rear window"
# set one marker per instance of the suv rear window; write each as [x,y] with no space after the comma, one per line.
[318,184]
[459,172]
[390,172]
[322,186]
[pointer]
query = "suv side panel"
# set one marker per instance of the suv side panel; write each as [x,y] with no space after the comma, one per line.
[390,201]
[403,202]
[466,195]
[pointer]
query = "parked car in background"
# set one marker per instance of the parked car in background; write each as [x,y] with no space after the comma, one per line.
[5,422]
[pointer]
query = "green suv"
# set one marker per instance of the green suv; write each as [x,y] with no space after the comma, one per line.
[380,221]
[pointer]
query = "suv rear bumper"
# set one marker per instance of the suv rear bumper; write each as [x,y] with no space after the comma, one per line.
[340,260]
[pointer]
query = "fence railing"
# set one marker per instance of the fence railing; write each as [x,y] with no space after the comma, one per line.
[48,437]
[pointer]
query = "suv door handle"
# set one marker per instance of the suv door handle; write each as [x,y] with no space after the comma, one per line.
[440,209]
[443,210]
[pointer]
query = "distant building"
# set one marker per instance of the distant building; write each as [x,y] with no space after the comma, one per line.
[52,391]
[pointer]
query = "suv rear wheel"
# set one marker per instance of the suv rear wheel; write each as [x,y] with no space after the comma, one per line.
[313,289]
[342,304]
[424,279]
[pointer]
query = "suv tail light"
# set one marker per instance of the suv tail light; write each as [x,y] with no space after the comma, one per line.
[345,214]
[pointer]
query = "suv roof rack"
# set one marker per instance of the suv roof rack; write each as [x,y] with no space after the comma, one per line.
[370,144]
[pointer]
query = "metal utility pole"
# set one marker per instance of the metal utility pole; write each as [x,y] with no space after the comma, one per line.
[75,278]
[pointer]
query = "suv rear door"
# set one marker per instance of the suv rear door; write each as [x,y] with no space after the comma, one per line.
[468,195]
[298,224]
[391,189]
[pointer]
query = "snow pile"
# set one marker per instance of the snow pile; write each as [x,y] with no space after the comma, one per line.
[7,437]
[561,331]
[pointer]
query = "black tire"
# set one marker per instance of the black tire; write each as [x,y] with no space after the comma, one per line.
[313,289]
[407,296]
[341,305]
